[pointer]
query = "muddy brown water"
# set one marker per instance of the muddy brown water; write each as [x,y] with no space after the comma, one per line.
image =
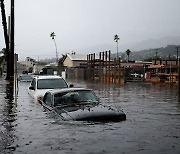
[152,125]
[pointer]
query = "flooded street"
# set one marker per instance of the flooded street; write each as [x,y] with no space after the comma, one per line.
[152,125]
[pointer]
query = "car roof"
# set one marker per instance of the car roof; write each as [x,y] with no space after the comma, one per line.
[55,91]
[48,77]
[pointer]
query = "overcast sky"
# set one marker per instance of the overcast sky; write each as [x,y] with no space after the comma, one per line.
[79,24]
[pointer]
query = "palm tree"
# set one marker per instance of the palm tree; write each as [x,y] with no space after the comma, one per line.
[116,38]
[128,53]
[6,37]
[52,35]
[2,58]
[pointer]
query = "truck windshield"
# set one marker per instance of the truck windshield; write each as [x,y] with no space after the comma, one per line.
[51,84]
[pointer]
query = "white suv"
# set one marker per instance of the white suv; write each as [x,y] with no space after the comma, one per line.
[41,84]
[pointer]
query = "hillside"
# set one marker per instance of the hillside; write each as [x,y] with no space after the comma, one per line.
[163,52]
[140,50]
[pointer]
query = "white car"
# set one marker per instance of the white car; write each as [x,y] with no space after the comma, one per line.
[41,84]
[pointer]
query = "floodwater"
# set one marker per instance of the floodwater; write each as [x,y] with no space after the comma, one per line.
[152,125]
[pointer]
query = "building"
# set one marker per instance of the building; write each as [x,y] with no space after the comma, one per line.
[75,60]
[163,71]
[75,65]
[30,62]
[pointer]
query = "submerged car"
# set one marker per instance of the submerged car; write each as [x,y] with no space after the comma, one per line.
[41,84]
[80,104]
[24,78]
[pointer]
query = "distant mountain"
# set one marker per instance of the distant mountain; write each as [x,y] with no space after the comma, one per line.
[154,43]
[143,50]
[139,50]
[137,46]
[167,52]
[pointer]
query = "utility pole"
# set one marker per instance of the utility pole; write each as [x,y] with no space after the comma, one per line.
[177,50]
[156,53]
[12,42]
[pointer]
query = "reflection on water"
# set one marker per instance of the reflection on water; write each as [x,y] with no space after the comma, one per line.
[152,125]
[8,114]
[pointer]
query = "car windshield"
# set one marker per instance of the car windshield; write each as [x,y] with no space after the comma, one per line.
[75,97]
[51,84]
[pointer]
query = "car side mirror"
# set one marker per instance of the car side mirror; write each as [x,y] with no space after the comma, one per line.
[31,88]
[71,85]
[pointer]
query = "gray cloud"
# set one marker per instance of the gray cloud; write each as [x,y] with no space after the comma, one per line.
[79,24]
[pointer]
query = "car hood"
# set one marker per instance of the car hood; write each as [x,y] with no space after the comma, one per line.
[97,112]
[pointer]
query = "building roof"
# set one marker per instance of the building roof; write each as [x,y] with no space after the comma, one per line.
[156,66]
[31,59]
[81,57]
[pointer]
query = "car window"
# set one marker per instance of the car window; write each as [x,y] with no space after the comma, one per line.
[51,84]
[25,77]
[48,99]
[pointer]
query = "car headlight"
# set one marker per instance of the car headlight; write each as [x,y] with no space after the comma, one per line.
[40,98]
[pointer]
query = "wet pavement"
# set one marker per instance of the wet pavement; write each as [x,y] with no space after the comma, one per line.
[152,125]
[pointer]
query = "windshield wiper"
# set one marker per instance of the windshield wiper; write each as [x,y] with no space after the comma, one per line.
[77,103]
[87,102]
[65,105]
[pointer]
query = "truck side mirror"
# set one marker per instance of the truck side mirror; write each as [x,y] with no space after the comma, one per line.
[31,88]
[71,85]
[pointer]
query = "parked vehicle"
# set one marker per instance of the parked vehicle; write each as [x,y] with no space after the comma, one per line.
[25,78]
[80,104]
[41,84]
[134,77]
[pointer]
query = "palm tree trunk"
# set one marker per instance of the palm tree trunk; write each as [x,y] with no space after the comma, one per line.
[6,37]
[12,42]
